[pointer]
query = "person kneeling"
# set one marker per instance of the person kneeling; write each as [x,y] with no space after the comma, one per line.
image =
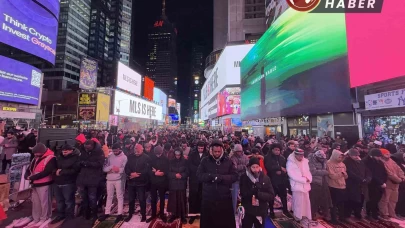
[256,191]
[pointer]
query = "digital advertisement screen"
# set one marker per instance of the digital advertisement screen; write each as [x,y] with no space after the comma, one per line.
[19,82]
[299,66]
[128,79]
[376,44]
[228,101]
[172,103]
[51,5]
[30,27]
[149,84]
[161,98]
[88,74]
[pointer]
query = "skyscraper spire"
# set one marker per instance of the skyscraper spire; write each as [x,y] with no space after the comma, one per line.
[163,7]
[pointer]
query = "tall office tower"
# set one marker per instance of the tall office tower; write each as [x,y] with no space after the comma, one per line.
[72,45]
[161,64]
[197,80]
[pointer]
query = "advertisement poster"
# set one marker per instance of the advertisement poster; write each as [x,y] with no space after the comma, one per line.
[103,107]
[274,8]
[113,120]
[88,74]
[87,98]
[172,103]
[19,82]
[28,26]
[228,101]
[87,113]
[128,79]
[236,122]
[149,85]
[389,99]
[302,69]
[161,98]
[324,125]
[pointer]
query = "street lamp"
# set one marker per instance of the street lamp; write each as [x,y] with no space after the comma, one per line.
[53,109]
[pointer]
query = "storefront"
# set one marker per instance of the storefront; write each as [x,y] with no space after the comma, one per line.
[298,126]
[22,116]
[267,126]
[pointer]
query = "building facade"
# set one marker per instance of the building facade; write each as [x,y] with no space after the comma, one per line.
[197,80]
[161,65]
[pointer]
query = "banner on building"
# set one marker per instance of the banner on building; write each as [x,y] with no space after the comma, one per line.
[88,74]
[103,107]
[87,113]
[389,99]
[87,99]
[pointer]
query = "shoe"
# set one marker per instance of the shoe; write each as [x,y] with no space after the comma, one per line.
[143,218]
[37,224]
[184,221]
[191,221]
[127,219]
[118,219]
[150,219]
[171,220]
[103,217]
[272,215]
[57,219]
[22,222]
[288,214]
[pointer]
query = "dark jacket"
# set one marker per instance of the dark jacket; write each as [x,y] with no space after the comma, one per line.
[159,163]
[318,170]
[359,177]
[23,146]
[91,167]
[217,178]
[138,164]
[69,166]
[194,161]
[378,172]
[48,170]
[391,148]
[178,166]
[273,165]
[287,152]
[262,190]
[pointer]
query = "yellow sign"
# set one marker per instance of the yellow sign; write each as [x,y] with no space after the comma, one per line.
[11,109]
[103,107]
[87,99]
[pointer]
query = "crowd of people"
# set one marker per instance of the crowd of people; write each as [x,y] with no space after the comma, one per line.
[326,178]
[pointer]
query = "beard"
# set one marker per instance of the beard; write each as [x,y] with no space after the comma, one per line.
[256,174]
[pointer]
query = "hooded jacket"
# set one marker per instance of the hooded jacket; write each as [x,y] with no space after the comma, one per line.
[298,171]
[115,160]
[240,163]
[178,166]
[69,166]
[378,172]
[318,169]
[394,173]
[40,170]
[9,147]
[91,167]
[337,171]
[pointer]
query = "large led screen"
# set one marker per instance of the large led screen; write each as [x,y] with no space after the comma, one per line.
[51,5]
[19,82]
[228,101]
[299,66]
[376,44]
[149,84]
[128,79]
[30,27]
[161,98]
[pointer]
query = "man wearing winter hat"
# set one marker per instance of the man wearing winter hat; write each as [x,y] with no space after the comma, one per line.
[377,184]
[239,160]
[114,167]
[39,173]
[256,191]
[395,178]
[217,173]
[159,168]
[300,180]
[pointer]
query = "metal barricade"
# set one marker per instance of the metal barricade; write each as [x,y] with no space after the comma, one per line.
[21,192]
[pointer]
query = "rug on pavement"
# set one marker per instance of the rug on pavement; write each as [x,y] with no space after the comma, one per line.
[285,222]
[363,224]
[108,223]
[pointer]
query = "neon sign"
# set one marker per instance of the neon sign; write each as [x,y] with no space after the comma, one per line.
[158,24]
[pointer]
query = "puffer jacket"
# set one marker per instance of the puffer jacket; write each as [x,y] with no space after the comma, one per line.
[240,163]
[9,148]
[69,166]
[225,173]
[337,171]
[318,169]
[178,166]
[273,165]
[298,176]
[91,167]
[138,164]
[395,174]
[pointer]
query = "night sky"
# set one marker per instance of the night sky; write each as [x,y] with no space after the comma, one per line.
[194,21]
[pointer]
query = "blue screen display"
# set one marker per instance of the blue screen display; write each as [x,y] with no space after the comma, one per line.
[19,82]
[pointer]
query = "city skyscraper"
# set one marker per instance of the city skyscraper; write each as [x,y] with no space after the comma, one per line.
[161,65]
[197,80]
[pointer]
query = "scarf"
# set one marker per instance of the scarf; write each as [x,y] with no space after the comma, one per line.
[252,177]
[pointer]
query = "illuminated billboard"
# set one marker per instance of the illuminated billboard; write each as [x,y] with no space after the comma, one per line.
[299,66]
[149,84]
[228,101]
[128,79]
[30,26]
[161,98]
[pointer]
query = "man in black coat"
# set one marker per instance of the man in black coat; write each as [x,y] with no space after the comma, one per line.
[158,172]
[217,173]
[256,190]
[377,185]
[137,170]
[65,182]
[91,163]
[276,169]
[195,186]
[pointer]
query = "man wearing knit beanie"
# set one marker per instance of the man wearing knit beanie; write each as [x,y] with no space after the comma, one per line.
[256,191]
[377,185]
[39,173]
[396,176]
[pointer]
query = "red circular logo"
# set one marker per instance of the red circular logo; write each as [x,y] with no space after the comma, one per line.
[303,5]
